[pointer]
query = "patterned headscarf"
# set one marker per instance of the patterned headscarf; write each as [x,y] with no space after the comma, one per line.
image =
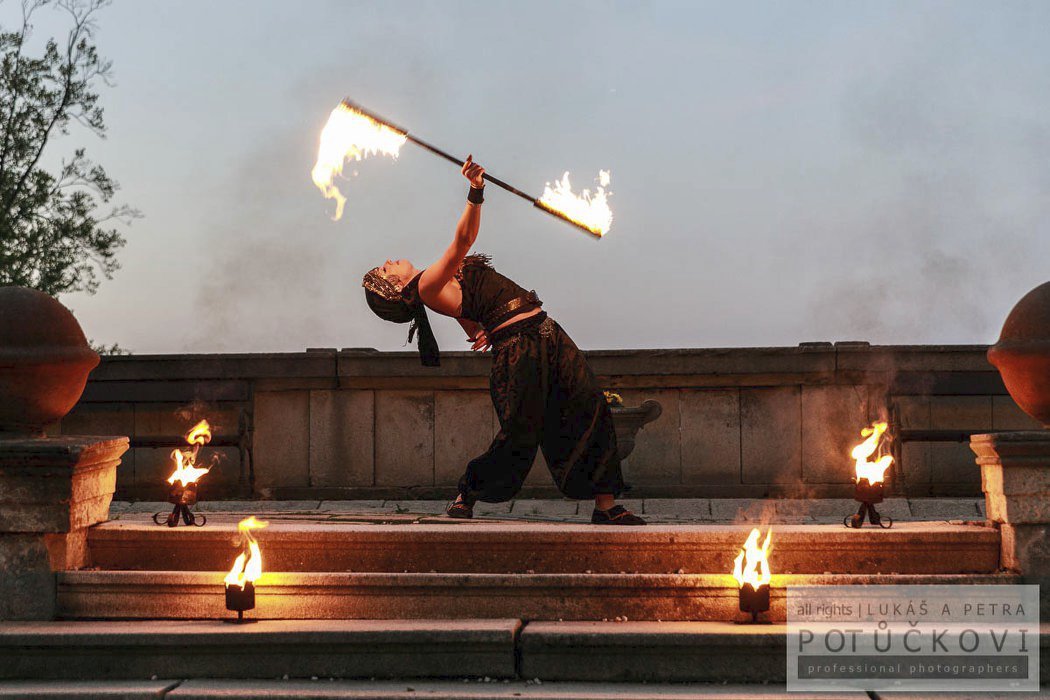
[375,282]
[401,306]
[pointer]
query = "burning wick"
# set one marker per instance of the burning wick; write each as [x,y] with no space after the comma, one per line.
[246,570]
[869,477]
[751,571]
[354,133]
[183,491]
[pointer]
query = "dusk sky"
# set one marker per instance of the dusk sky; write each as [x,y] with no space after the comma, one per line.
[781,171]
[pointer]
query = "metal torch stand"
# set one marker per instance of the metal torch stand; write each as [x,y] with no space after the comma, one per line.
[240,600]
[182,497]
[868,494]
[754,602]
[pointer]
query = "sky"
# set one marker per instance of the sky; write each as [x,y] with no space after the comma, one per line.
[782,172]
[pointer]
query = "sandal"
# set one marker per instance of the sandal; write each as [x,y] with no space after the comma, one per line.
[459,509]
[617,515]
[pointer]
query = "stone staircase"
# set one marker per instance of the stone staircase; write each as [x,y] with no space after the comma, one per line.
[429,568]
[398,595]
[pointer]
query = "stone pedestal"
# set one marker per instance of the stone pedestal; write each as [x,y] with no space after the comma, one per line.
[51,491]
[1015,478]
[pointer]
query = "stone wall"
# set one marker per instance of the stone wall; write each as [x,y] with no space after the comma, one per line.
[741,422]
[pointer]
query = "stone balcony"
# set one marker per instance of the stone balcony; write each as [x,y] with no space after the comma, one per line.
[736,423]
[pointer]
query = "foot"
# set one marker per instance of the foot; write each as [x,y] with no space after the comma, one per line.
[617,515]
[460,509]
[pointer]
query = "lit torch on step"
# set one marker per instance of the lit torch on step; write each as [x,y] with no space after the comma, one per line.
[246,570]
[183,489]
[751,571]
[870,476]
[354,133]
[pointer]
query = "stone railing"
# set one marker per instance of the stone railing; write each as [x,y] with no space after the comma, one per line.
[745,422]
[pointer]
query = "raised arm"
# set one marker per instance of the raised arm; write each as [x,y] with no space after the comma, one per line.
[441,273]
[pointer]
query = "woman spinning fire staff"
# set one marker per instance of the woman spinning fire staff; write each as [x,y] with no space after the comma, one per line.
[544,392]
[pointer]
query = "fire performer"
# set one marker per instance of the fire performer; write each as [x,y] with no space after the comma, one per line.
[544,392]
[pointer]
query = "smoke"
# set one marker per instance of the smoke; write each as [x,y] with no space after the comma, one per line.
[940,238]
[280,274]
[265,269]
[760,511]
[859,172]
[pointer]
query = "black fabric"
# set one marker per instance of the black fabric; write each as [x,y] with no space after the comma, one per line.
[546,397]
[409,308]
[485,290]
[429,353]
[476,195]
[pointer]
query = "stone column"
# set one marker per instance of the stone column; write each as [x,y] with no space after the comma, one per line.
[51,491]
[1015,478]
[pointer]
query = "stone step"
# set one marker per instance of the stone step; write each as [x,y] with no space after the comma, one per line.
[669,652]
[609,653]
[265,649]
[646,651]
[502,547]
[468,689]
[340,595]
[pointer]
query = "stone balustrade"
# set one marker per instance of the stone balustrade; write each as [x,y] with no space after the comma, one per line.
[52,489]
[738,422]
[1015,478]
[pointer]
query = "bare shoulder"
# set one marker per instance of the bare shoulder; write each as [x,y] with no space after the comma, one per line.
[446,300]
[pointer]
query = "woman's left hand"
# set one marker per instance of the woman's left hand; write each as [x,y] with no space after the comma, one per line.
[474,172]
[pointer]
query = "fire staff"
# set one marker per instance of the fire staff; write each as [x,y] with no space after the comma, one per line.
[545,394]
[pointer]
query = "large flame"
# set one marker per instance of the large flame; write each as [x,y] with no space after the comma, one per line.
[590,211]
[186,469]
[752,564]
[248,565]
[350,135]
[873,471]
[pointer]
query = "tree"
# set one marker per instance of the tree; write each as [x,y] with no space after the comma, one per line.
[52,236]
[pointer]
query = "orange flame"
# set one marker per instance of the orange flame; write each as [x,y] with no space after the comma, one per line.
[350,135]
[752,564]
[248,565]
[875,471]
[590,211]
[199,434]
[186,469]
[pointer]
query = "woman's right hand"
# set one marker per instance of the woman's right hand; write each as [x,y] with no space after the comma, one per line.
[481,341]
[473,172]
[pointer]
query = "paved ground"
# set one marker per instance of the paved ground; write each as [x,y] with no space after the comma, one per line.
[655,510]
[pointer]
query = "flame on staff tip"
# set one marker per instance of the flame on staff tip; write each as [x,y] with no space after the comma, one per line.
[247,568]
[350,135]
[752,564]
[186,469]
[875,471]
[591,211]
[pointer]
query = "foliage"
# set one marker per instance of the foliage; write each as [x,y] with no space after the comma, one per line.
[52,236]
[102,349]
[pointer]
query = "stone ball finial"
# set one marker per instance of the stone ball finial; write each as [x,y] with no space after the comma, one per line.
[1022,354]
[44,361]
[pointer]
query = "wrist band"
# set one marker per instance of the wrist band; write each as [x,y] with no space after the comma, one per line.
[476,195]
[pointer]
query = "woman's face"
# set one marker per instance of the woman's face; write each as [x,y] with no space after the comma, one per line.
[399,272]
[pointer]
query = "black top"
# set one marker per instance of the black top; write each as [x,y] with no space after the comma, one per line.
[489,297]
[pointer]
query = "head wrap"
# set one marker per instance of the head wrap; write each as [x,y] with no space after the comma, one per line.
[401,306]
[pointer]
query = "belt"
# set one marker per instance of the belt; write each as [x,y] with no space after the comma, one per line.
[540,323]
[502,313]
